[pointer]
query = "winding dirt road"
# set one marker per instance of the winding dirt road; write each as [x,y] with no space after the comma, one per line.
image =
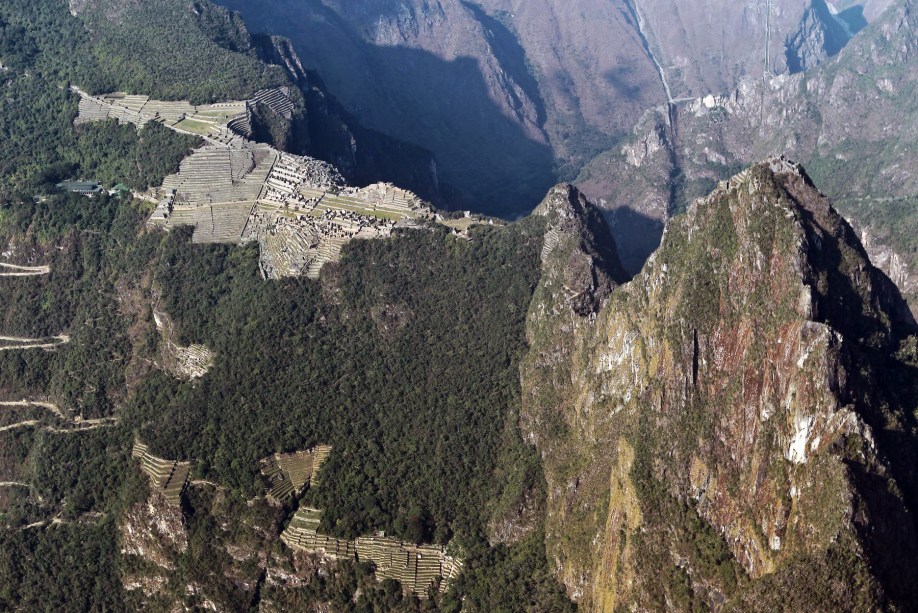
[14,270]
[12,343]
[79,424]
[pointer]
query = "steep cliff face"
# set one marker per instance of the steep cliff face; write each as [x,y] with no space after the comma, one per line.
[153,536]
[325,130]
[821,34]
[210,553]
[718,433]
[428,73]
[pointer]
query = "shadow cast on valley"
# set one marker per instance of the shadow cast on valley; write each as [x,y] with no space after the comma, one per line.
[636,235]
[493,154]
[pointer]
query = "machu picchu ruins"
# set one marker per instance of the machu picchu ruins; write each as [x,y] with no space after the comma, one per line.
[288,474]
[416,567]
[167,477]
[233,190]
[301,222]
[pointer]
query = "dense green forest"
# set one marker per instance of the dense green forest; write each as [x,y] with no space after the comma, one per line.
[403,357]
[159,49]
[409,373]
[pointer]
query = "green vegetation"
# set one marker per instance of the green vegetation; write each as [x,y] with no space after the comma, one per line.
[38,144]
[405,415]
[298,362]
[418,399]
[702,551]
[159,49]
[98,251]
[65,568]
[507,580]
[409,404]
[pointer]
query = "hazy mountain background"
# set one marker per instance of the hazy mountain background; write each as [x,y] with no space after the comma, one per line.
[513,95]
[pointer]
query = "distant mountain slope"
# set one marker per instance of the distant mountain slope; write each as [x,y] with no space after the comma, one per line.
[853,120]
[429,74]
[511,95]
[708,47]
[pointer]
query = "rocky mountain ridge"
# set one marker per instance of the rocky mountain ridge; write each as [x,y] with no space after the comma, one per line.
[720,425]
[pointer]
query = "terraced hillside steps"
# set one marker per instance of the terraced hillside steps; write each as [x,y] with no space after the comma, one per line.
[212,122]
[226,123]
[290,473]
[220,223]
[168,477]
[277,100]
[301,534]
[416,567]
[217,174]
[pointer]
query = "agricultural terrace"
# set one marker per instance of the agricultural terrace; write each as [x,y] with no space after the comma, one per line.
[168,477]
[288,474]
[416,567]
[225,123]
[214,191]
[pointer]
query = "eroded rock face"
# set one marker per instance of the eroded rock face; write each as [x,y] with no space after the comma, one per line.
[719,421]
[154,530]
[153,533]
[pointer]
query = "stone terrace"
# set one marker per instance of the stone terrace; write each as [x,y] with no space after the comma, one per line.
[416,567]
[168,477]
[227,123]
[289,473]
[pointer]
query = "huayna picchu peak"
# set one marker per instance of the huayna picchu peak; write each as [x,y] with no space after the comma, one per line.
[727,432]
[465,306]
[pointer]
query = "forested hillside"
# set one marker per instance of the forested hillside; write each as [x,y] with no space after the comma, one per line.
[403,357]
[45,49]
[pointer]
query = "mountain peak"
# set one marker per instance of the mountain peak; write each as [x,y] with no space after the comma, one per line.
[579,252]
[731,390]
[770,223]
